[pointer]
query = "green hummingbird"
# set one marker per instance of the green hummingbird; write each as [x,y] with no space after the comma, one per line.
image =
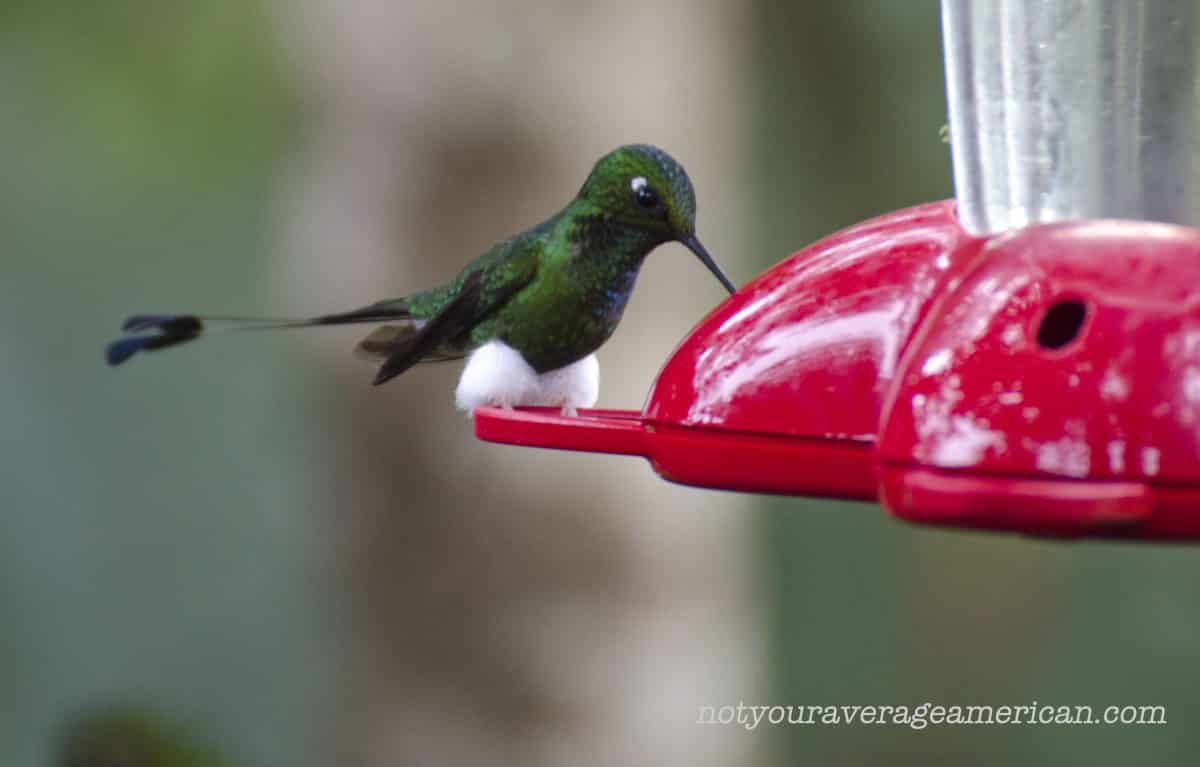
[530,311]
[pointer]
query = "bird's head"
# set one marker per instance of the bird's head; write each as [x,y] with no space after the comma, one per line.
[644,188]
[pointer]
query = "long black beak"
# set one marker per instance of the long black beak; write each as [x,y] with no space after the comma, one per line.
[693,244]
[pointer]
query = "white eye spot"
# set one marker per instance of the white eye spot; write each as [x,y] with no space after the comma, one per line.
[643,194]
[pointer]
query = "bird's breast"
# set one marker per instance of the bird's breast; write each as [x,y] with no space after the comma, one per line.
[608,303]
[564,323]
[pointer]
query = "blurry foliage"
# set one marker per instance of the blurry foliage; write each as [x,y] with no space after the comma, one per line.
[140,141]
[847,101]
[140,93]
[131,736]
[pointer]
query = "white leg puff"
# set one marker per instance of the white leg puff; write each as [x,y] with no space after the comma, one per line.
[497,375]
[574,386]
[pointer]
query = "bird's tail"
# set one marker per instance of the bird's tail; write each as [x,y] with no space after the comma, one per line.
[148,332]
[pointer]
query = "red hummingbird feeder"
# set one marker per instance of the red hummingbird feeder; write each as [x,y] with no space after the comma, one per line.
[1026,359]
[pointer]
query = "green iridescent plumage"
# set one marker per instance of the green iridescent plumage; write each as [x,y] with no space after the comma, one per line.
[555,292]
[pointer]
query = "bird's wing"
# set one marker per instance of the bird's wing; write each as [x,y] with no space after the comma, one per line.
[481,292]
[383,341]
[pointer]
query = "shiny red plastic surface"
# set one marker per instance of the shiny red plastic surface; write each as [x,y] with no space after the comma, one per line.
[754,463]
[1045,381]
[810,347]
[1113,398]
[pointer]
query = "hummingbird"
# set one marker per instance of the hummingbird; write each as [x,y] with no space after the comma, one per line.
[529,313]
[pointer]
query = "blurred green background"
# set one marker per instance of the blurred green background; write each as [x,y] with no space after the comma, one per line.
[248,539]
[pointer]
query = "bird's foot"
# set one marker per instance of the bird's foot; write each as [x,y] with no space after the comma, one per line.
[568,411]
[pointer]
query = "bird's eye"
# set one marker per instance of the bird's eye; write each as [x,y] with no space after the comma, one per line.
[643,195]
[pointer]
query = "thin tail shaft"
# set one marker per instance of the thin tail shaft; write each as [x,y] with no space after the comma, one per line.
[161,331]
